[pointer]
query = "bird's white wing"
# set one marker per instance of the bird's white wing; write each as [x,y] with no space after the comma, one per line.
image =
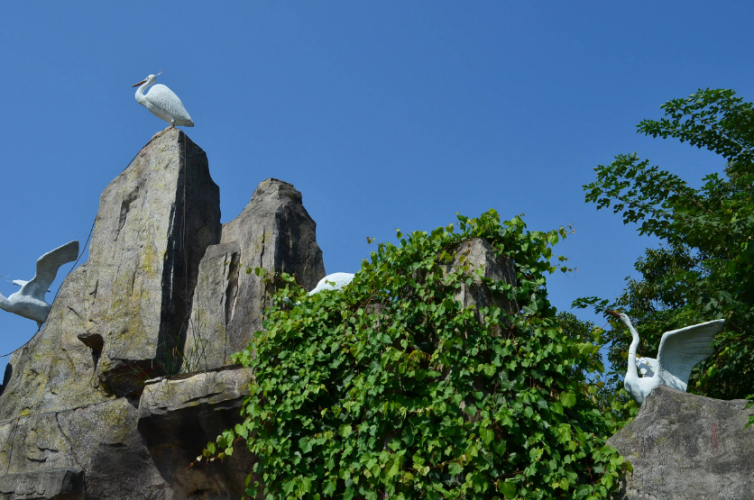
[47,269]
[334,281]
[21,283]
[680,350]
[165,99]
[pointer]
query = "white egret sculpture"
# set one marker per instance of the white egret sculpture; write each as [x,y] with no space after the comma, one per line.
[680,350]
[29,302]
[162,102]
[334,281]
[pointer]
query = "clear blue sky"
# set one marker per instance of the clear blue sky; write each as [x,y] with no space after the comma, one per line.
[383,114]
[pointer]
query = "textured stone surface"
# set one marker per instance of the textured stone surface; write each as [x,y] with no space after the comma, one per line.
[133,292]
[273,232]
[477,253]
[178,417]
[63,484]
[98,445]
[70,424]
[686,446]
[55,370]
[207,342]
[154,223]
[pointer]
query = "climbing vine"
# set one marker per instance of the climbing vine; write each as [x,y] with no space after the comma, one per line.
[392,389]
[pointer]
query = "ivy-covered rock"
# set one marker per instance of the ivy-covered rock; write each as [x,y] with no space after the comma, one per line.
[393,388]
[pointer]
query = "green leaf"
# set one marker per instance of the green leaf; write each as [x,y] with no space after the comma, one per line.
[454,469]
[568,399]
[508,489]
[487,435]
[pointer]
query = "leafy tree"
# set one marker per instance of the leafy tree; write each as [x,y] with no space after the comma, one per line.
[395,390]
[704,268]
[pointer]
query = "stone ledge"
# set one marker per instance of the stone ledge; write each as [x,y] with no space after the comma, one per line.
[61,484]
[166,395]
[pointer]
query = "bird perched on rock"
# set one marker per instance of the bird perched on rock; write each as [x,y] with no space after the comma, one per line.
[680,350]
[29,302]
[334,281]
[162,102]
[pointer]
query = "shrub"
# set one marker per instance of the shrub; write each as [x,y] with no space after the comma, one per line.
[392,389]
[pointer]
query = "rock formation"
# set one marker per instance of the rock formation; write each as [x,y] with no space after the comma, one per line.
[98,405]
[274,232]
[478,254]
[89,409]
[686,446]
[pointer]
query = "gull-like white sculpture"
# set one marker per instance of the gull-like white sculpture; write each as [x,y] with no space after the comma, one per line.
[680,350]
[334,281]
[162,102]
[29,302]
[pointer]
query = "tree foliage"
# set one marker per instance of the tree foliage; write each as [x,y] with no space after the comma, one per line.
[392,389]
[705,268]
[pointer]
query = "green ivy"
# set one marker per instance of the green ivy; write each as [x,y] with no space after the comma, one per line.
[392,389]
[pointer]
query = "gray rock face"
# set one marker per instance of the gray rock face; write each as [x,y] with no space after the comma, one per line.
[59,484]
[155,221]
[477,254]
[94,450]
[76,421]
[178,417]
[687,446]
[273,232]
[119,317]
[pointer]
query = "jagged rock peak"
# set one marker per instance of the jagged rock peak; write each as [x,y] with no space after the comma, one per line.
[155,221]
[274,232]
[119,315]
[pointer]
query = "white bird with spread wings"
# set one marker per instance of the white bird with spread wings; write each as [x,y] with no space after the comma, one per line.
[680,350]
[29,302]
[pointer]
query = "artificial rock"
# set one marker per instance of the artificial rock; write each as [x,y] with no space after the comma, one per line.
[274,232]
[179,416]
[154,223]
[479,256]
[87,410]
[686,446]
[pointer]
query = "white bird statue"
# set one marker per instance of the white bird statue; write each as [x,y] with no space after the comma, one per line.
[680,350]
[334,281]
[29,302]
[162,102]
[647,366]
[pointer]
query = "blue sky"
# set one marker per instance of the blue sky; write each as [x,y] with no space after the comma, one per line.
[383,114]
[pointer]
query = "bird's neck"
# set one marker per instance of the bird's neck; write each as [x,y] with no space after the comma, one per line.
[4,303]
[141,97]
[632,371]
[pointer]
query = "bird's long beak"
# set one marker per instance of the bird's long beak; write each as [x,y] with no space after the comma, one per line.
[614,314]
[140,83]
